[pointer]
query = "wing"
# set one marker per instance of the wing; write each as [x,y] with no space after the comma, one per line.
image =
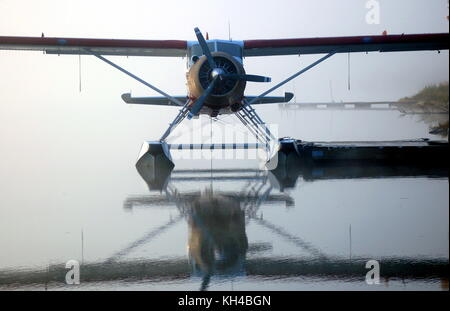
[174,48]
[157,100]
[271,99]
[383,43]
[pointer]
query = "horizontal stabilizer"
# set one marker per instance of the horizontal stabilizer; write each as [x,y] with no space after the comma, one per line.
[271,99]
[156,100]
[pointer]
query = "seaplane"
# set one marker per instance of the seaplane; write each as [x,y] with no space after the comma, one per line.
[216,78]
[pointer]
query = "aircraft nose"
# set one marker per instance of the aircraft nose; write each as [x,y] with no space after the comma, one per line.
[217,72]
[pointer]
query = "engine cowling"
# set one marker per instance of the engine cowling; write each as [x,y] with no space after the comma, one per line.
[227,92]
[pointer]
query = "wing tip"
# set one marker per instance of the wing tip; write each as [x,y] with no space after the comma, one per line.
[126,97]
[288,96]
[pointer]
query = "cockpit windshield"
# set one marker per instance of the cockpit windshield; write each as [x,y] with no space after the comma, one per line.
[229,47]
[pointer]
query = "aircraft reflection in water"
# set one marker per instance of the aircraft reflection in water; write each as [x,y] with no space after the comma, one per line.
[217,240]
[218,244]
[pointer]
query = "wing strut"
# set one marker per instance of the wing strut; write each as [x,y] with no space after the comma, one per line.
[181,114]
[248,116]
[291,77]
[184,111]
[171,98]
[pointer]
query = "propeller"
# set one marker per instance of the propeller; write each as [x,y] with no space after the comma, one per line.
[201,100]
[251,78]
[217,74]
[205,48]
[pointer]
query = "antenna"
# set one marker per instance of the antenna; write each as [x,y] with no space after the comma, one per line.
[350,240]
[229,30]
[79,72]
[295,93]
[348,77]
[82,246]
[331,92]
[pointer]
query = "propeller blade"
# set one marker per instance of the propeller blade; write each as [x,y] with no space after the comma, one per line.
[205,48]
[201,100]
[251,78]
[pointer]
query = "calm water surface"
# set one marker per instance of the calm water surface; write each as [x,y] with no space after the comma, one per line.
[220,225]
